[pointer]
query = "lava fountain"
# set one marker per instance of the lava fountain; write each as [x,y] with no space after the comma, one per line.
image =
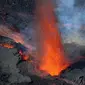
[51,51]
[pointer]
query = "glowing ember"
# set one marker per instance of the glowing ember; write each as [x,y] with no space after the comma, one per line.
[50,48]
[23,56]
[6,45]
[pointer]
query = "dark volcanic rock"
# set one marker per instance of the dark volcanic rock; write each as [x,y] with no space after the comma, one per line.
[74,51]
[75,72]
[4,39]
[47,81]
[9,71]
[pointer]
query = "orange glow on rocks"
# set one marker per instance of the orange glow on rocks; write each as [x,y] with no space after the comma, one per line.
[23,56]
[51,52]
[6,45]
[18,38]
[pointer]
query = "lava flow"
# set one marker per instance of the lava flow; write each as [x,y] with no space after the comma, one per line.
[6,45]
[51,51]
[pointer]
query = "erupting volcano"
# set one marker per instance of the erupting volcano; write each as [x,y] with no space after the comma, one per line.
[51,51]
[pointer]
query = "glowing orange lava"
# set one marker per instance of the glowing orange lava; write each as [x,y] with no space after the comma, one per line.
[51,51]
[6,45]
[23,56]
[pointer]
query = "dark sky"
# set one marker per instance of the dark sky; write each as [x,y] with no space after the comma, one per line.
[18,5]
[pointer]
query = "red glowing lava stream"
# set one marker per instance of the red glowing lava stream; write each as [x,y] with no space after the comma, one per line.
[52,57]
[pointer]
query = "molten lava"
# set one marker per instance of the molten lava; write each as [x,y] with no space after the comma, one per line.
[23,56]
[51,51]
[6,45]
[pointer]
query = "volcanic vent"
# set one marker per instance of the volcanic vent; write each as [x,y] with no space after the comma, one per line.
[51,51]
[18,66]
[48,64]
